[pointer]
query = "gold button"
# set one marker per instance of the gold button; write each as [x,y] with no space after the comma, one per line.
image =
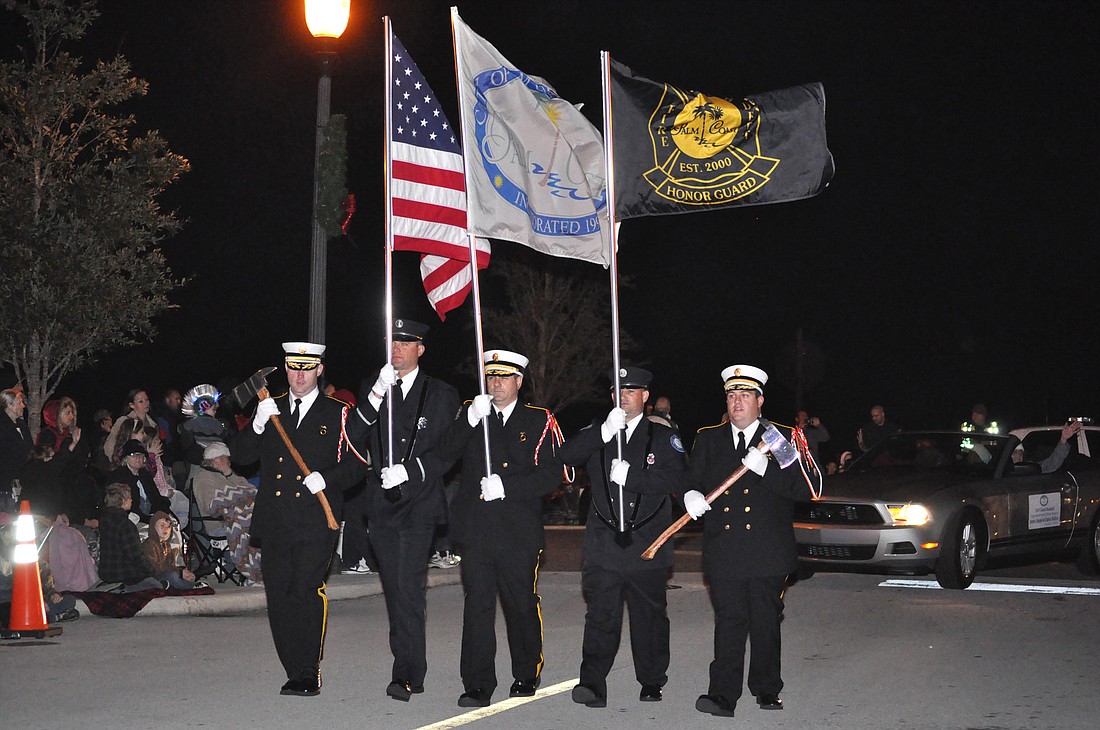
[278,493]
[481,497]
[278,476]
[280,460]
[727,492]
[727,527]
[748,509]
[297,494]
[298,478]
[748,527]
[725,509]
[746,491]
[504,465]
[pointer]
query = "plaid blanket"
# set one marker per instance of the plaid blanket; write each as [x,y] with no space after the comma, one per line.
[125,605]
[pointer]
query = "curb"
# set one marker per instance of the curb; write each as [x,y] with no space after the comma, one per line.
[230,599]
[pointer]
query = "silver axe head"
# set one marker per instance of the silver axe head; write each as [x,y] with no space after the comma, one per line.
[247,390]
[782,449]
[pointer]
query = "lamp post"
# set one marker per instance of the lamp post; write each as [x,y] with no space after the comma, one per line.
[326,20]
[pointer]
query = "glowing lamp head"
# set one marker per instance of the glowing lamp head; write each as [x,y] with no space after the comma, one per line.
[327,18]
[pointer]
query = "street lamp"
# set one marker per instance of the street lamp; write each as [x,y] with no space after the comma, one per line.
[326,20]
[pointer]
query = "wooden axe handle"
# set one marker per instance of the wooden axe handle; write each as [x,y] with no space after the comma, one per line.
[678,525]
[329,517]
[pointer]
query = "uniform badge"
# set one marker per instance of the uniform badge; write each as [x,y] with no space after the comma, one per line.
[324,430]
[676,443]
[422,423]
[522,436]
[650,459]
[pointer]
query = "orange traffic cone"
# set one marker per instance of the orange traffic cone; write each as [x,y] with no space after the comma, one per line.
[28,610]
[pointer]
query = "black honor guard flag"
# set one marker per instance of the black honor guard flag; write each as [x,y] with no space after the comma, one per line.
[682,151]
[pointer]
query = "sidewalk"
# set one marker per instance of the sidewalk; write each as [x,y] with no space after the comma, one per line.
[233,599]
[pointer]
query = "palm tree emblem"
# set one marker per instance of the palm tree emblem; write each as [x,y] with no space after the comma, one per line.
[702,112]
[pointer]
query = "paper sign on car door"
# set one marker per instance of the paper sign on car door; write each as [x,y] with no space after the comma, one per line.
[1043,510]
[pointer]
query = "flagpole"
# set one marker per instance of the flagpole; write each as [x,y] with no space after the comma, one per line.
[475,289]
[388,45]
[613,255]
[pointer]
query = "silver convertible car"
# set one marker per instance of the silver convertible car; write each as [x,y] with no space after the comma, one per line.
[944,502]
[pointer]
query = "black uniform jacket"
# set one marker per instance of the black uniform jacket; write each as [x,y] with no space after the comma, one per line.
[515,521]
[283,502]
[419,422]
[657,468]
[749,529]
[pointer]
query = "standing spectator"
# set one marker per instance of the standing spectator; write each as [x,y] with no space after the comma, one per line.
[814,431]
[77,494]
[121,559]
[101,460]
[138,407]
[979,421]
[168,416]
[497,517]
[662,413]
[748,545]
[404,498]
[876,430]
[297,542]
[15,436]
[651,468]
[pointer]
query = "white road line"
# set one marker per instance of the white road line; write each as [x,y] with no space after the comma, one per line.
[483,712]
[995,587]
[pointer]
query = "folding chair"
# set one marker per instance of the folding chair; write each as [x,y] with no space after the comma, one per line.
[207,537]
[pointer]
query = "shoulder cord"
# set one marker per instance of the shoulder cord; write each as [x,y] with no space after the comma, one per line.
[812,476]
[558,439]
[344,438]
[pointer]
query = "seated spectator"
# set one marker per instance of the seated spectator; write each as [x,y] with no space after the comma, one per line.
[101,460]
[220,492]
[168,416]
[135,429]
[202,427]
[145,499]
[40,478]
[121,559]
[164,557]
[1054,460]
[70,558]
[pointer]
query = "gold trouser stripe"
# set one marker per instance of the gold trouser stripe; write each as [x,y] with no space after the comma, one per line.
[542,636]
[324,622]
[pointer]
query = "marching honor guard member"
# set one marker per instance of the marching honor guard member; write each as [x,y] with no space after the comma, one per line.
[405,500]
[289,519]
[651,468]
[498,522]
[748,544]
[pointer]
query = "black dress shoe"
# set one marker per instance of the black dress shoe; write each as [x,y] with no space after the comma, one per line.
[476,697]
[650,693]
[769,701]
[524,687]
[301,687]
[588,696]
[399,689]
[715,705]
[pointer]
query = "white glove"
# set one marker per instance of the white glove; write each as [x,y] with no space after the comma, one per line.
[619,469]
[695,504]
[264,411]
[755,461]
[615,422]
[394,476]
[387,376]
[314,482]
[479,408]
[492,488]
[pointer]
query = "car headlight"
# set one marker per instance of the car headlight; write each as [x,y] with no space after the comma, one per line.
[909,514]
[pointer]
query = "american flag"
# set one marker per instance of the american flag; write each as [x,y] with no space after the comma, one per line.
[428,186]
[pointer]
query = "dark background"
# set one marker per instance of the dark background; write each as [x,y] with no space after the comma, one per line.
[952,259]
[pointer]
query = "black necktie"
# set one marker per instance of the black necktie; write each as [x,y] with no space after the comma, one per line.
[294,411]
[741,448]
[500,418]
[397,389]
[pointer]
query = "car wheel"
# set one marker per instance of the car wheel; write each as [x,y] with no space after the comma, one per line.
[1089,559]
[961,551]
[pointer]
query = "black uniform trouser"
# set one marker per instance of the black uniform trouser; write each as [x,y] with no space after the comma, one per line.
[294,567]
[403,554]
[746,608]
[513,575]
[645,592]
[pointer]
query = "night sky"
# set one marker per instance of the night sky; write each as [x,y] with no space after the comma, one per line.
[952,259]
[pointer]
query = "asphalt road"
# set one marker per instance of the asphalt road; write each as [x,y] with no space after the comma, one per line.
[857,655]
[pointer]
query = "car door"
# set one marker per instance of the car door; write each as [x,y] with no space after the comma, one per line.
[1042,511]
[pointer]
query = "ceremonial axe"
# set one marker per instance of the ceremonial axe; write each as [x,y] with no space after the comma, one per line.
[785,454]
[257,386]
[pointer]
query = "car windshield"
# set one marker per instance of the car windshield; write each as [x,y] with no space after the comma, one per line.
[971,453]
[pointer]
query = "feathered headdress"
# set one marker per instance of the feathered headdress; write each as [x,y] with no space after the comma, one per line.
[199,399]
